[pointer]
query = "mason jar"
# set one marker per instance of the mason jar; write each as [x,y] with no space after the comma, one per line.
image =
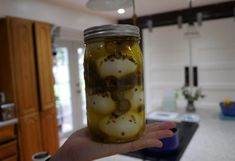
[113,71]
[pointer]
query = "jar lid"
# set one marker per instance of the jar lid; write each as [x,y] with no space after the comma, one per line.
[111,30]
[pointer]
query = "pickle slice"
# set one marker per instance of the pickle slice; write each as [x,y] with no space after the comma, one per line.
[117,95]
[91,75]
[128,81]
[122,107]
[121,84]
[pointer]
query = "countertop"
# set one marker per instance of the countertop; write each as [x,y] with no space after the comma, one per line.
[8,122]
[214,140]
[186,132]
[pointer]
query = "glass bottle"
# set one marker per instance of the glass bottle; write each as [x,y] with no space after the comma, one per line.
[113,72]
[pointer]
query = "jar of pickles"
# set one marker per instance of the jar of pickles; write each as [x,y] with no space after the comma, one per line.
[113,71]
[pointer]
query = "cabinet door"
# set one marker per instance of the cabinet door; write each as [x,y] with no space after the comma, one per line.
[49,131]
[12,158]
[44,65]
[8,149]
[29,136]
[7,133]
[23,63]
[6,80]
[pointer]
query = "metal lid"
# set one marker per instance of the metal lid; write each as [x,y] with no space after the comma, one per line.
[111,30]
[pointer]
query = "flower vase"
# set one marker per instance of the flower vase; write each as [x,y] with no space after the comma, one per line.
[190,107]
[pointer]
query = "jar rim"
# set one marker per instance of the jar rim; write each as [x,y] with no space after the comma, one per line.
[111,30]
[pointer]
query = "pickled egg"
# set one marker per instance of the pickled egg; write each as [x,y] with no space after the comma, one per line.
[135,96]
[101,103]
[118,67]
[124,126]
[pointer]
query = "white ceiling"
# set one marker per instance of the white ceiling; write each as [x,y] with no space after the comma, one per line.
[143,7]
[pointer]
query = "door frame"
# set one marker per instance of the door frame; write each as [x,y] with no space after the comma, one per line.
[77,114]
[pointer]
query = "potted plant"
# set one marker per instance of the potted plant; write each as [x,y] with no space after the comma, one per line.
[191,95]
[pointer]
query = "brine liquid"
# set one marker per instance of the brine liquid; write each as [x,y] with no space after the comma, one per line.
[114,90]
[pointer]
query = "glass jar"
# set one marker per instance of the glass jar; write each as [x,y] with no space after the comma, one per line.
[113,71]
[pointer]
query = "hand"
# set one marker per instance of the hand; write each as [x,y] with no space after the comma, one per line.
[79,146]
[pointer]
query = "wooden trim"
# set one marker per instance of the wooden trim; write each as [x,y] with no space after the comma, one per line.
[209,12]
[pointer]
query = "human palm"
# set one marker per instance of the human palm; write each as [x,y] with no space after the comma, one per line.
[80,146]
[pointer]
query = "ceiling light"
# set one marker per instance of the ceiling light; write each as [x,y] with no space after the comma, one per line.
[121,11]
[108,5]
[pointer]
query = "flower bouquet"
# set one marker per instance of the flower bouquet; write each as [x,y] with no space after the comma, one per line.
[191,94]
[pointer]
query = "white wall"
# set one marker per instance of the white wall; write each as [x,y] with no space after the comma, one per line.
[52,13]
[166,53]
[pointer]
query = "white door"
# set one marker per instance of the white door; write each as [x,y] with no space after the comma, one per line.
[69,86]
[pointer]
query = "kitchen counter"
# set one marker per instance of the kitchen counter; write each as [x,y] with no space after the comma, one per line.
[186,132]
[8,122]
[214,139]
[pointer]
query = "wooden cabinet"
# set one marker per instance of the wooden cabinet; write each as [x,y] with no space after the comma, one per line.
[11,158]
[27,80]
[7,132]
[8,150]
[49,130]
[22,88]
[23,65]
[46,91]
[30,134]
[8,142]
[44,61]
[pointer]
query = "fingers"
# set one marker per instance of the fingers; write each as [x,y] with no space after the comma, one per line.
[167,125]
[150,139]
[160,134]
[141,144]
[160,126]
